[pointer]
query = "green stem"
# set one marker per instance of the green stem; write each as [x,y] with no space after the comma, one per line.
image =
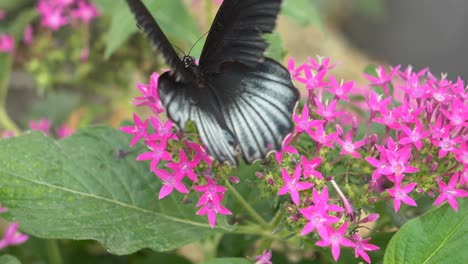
[246,205]
[54,252]
[276,219]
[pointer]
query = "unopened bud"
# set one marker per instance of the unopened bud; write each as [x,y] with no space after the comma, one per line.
[234,179]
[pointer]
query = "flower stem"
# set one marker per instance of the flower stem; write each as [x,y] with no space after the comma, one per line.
[54,252]
[245,204]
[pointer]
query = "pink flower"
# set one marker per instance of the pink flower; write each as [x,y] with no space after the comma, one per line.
[303,123]
[335,238]
[414,135]
[340,90]
[320,137]
[327,111]
[348,147]
[264,258]
[150,96]
[53,18]
[64,131]
[85,12]
[400,194]
[286,149]
[321,64]
[28,35]
[210,191]
[184,167]
[382,79]
[212,208]
[138,130]
[361,246]
[449,192]
[293,185]
[309,167]
[43,125]
[158,152]
[12,237]
[398,162]
[163,131]
[200,152]
[7,43]
[171,181]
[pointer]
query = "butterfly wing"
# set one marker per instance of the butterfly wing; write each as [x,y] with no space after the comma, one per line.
[236,33]
[160,42]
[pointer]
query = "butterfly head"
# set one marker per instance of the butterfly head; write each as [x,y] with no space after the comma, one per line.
[188,61]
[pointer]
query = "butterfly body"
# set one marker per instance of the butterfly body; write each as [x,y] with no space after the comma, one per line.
[240,101]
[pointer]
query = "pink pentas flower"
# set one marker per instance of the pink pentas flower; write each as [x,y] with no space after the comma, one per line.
[327,110]
[42,125]
[446,143]
[12,237]
[310,167]
[348,147]
[304,123]
[414,135]
[340,89]
[461,153]
[361,246]
[292,185]
[85,12]
[150,96]
[201,154]
[171,181]
[387,118]
[158,152]
[376,102]
[321,64]
[464,176]
[398,162]
[64,131]
[138,130]
[459,113]
[322,200]
[28,35]
[213,207]
[184,167]
[335,239]
[315,80]
[407,113]
[3,209]
[296,72]
[210,191]
[320,137]
[449,192]
[383,79]
[7,43]
[264,258]
[400,194]
[163,131]
[53,18]
[286,149]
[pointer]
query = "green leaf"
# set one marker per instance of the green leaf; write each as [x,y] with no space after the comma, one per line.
[275,48]
[303,12]
[89,186]
[8,259]
[228,261]
[171,15]
[438,236]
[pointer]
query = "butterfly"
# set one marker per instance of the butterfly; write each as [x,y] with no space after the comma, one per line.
[240,101]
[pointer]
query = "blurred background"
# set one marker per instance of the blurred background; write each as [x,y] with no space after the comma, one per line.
[66,64]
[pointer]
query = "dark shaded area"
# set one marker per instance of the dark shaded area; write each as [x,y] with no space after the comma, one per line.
[421,33]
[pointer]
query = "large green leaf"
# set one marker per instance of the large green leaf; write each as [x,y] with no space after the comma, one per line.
[171,15]
[438,236]
[84,188]
[8,259]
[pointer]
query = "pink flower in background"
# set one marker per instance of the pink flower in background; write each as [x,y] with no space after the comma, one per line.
[53,19]
[2,14]
[85,12]
[335,239]
[7,43]
[28,35]
[361,246]
[449,192]
[84,54]
[64,131]
[264,258]
[42,125]
[12,237]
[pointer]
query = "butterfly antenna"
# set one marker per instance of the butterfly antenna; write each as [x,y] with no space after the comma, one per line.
[178,49]
[197,42]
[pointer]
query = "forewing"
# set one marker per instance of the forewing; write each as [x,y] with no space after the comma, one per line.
[257,105]
[159,41]
[236,33]
[182,103]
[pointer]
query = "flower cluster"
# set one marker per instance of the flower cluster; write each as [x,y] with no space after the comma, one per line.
[175,158]
[58,13]
[405,139]
[12,236]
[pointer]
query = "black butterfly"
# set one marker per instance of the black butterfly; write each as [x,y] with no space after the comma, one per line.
[239,100]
